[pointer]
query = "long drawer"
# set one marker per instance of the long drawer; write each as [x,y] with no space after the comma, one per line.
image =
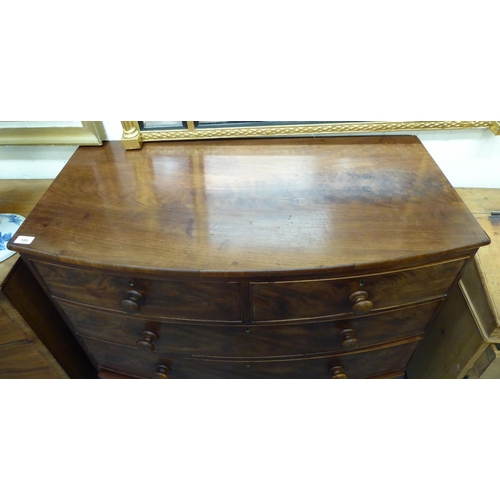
[254,341]
[208,301]
[136,363]
[289,300]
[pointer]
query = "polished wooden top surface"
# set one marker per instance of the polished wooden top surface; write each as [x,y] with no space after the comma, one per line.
[237,207]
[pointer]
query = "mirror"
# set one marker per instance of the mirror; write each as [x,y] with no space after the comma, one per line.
[137,132]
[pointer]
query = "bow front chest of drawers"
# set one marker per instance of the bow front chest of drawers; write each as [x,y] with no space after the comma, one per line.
[298,258]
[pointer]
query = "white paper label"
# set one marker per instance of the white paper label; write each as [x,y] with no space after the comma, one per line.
[24,240]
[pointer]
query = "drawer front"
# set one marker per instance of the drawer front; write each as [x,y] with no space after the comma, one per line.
[289,300]
[254,341]
[166,299]
[136,363]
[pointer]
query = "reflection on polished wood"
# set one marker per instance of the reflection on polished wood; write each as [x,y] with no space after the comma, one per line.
[249,258]
[263,206]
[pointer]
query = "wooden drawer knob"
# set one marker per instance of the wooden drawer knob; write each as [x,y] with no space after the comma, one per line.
[337,372]
[161,371]
[132,302]
[147,340]
[349,341]
[361,303]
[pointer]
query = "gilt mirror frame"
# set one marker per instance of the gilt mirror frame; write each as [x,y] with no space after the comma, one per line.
[52,134]
[134,134]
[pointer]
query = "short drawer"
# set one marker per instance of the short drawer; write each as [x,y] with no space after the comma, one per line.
[209,301]
[254,341]
[136,363]
[288,300]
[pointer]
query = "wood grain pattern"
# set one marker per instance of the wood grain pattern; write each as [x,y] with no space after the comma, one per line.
[9,329]
[245,207]
[22,355]
[309,299]
[19,197]
[25,361]
[24,292]
[480,200]
[256,341]
[165,299]
[137,363]
[310,230]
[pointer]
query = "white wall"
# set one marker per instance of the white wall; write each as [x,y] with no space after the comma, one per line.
[113,130]
[469,158]
[33,162]
[43,162]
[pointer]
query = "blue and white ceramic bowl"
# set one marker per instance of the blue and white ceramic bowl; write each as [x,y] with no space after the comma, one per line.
[9,224]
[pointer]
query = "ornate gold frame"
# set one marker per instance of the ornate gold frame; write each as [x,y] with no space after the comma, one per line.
[133,136]
[88,134]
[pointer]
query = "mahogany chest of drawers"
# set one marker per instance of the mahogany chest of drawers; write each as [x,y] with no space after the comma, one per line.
[296,258]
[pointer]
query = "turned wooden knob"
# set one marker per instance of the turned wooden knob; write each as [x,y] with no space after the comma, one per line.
[361,303]
[147,340]
[132,302]
[161,371]
[337,372]
[349,341]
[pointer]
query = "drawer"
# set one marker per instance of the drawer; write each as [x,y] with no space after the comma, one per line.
[289,300]
[136,363]
[254,341]
[207,301]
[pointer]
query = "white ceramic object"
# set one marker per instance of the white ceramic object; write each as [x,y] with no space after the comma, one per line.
[9,224]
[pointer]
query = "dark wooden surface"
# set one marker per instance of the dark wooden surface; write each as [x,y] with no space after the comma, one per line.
[252,206]
[152,254]
[366,363]
[309,299]
[169,299]
[29,299]
[22,354]
[255,341]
